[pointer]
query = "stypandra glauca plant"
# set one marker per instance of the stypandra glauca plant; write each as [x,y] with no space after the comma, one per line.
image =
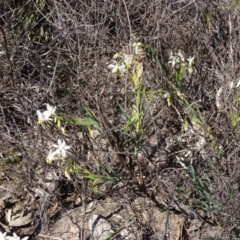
[180,66]
[127,65]
[183,68]
[192,121]
[60,150]
[130,64]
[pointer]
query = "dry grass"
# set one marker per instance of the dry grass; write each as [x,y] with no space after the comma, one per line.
[57,52]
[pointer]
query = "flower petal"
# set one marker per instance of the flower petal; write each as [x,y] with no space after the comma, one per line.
[51,109]
[39,114]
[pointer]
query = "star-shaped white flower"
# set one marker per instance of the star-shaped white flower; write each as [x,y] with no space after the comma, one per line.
[45,116]
[117,68]
[122,69]
[42,117]
[61,148]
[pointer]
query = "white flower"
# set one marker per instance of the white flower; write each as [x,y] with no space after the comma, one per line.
[128,59]
[176,58]
[50,109]
[114,67]
[42,117]
[180,56]
[3,236]
[122,69]
[117,68]
[190,64]
[45,116]
[190,61]
[173,59]
[15,237]
[137,48]
[51,156]
[61,148]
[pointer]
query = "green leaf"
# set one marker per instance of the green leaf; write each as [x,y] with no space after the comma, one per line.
[196,120]
[169,101]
